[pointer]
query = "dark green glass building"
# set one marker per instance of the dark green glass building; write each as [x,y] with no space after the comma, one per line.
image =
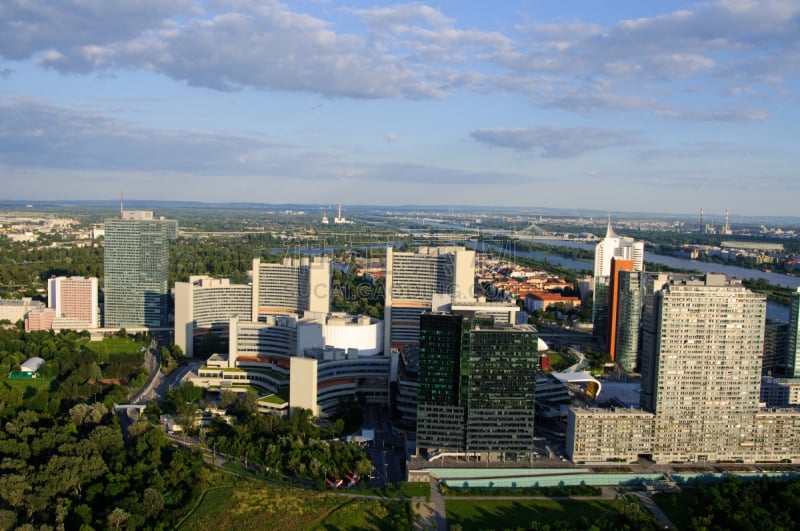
[477,385]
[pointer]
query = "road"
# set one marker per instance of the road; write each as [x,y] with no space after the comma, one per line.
[152,362]
[157,384]
[386,459]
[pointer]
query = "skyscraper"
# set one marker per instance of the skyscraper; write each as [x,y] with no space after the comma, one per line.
[628,320]
[776,347]
[618,266]
[612,246]
[701,378]
[707,359]
[440,413]
[477,382]
[412,279]
[136,269]
[206,305]
[74,300]
[793,357]
[295,285]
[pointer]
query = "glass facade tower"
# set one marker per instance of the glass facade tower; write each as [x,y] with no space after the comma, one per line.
[629,317]
[136,272]
[793,349]
[477,386]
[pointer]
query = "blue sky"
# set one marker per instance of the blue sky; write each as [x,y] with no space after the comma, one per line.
[623,106]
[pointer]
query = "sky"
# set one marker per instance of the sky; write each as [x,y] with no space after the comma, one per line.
[645,106]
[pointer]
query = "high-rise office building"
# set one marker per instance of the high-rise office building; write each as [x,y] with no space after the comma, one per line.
[477,382]
[612,246]
[295,285]
[707,359]
[74,299]
[793,351]
[136,274]
[206,305]
[776,347]
[412,279]
[71,304]
[618,266]
[628,311]
[440,412]
[701,380]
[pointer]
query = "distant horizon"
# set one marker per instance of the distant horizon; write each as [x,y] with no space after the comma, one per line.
[322,208]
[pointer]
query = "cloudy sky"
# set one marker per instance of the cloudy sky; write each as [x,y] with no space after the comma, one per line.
[614,105]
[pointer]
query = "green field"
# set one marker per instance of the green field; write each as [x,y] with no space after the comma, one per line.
[28,387]
[114,345]
[508,514]
[421,490]
[246,504]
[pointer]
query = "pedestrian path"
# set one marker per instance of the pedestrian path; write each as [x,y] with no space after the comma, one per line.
[654,509]
[430,513]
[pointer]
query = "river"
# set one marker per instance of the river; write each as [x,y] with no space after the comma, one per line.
[775,311]
[778,279]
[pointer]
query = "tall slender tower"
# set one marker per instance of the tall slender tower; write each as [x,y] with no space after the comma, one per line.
[612,246]
[630,299]
[702,227]
[793,358]
[137,269]
[618,266]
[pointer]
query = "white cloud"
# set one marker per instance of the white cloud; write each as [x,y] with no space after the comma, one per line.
[416,51]
[709,150]
[712,115]
[556,142]
[263,46]
[29,27]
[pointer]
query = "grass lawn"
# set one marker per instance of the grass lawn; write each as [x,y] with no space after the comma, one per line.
[410,490]
[114,345]
[560,360]
[28,387]
[273,399]
[507,514]
[232,503]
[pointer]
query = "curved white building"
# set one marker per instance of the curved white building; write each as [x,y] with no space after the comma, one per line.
[362,333]
[321,359]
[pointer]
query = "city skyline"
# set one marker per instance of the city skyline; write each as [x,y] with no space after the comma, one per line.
[598,106]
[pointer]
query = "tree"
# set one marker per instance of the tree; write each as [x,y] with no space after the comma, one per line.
[152,503]
[118,518]
[227,398]
[364,467]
